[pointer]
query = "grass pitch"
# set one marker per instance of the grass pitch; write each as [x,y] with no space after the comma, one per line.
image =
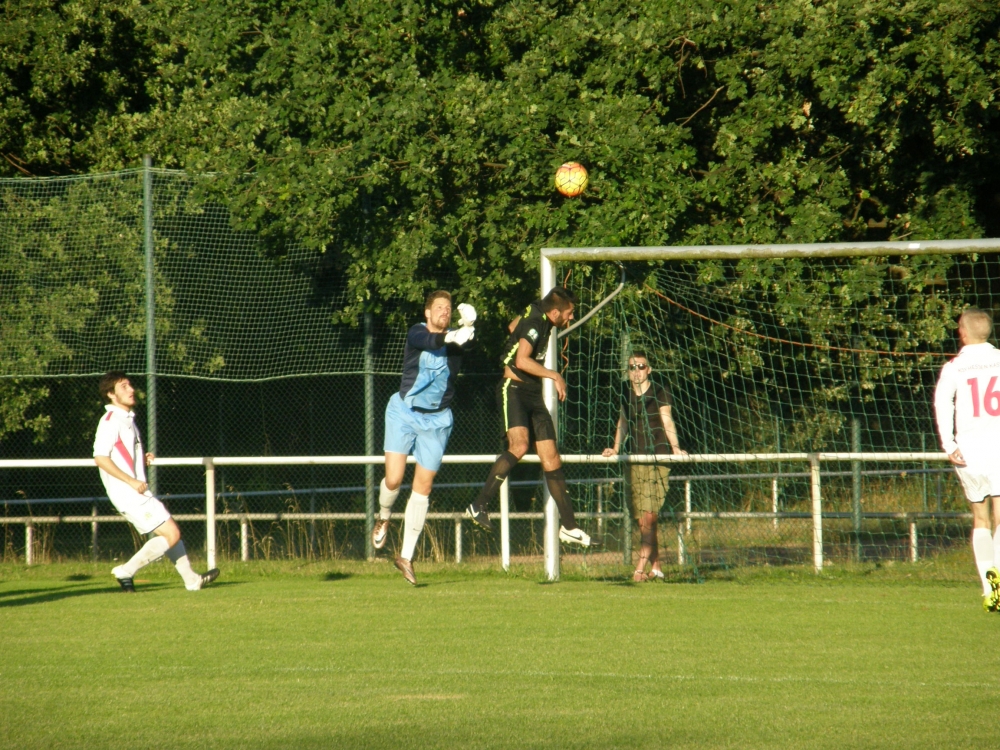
[347,655]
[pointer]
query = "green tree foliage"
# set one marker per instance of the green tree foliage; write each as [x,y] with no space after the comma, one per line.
[414,141]
[413,144]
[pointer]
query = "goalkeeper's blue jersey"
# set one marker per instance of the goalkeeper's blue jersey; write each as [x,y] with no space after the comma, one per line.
[429,370]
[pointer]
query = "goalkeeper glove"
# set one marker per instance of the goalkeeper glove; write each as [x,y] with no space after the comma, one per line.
[468,315]
[460,336]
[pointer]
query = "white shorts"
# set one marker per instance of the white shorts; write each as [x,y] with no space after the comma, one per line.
[978,486]
[143,511]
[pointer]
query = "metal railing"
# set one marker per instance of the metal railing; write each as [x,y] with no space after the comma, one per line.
[211,518]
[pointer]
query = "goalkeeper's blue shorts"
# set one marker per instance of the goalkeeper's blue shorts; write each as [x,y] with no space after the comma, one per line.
[423,435]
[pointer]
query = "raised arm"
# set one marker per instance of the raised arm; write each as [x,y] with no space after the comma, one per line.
[420,338]
[525,362]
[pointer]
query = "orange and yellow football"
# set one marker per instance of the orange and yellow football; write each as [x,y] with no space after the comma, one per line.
[571,179]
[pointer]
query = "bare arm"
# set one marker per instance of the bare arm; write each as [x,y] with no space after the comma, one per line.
[619,431]
[105,462]
[671,429]
[525,362]
[513,324]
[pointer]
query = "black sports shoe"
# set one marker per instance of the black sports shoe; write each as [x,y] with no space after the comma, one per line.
[480,518]
[406,568]
[126,582]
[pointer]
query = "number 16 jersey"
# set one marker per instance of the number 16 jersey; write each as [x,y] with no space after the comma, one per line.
[967,407]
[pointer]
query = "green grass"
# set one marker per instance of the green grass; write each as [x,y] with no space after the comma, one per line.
[346,655]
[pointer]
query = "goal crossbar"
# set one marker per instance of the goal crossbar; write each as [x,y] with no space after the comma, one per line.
[791,250]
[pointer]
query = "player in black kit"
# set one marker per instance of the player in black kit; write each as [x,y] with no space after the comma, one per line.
[524,410]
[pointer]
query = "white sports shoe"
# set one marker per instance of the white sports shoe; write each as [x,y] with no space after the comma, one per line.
[203,579]
[574,536]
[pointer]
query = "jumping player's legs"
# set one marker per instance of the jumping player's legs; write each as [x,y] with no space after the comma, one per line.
[400,437]
[416,510]
[555,480]
[432,433]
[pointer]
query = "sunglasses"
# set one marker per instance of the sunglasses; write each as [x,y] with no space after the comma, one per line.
[638,367]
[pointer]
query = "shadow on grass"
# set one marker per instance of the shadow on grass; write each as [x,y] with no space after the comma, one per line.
[337,576]
[79,577]
[43,596]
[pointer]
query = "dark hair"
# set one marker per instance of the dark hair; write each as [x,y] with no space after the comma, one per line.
[108,382]
[439,294]
[558,298]
[638,353]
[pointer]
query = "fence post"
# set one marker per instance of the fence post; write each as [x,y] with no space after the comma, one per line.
[93,534]
[681,554]
[369,434]
[774,500]
[244,539]
[505,523]
[29,543]
[626,531]
[913,541]
[817,512]
[458,540]
[147,241]
[600,510]
[210,512]
[856,486]
[687,503]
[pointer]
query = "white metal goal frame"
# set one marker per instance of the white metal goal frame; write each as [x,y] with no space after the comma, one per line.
[552,255]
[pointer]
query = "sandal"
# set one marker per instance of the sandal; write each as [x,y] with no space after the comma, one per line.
[639,576]
[656,575]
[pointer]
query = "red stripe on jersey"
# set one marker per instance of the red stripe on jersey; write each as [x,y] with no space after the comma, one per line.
[120,447]
[108,418]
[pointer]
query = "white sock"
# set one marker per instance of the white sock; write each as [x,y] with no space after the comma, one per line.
[386,499]
[416,514]
[982,549]
[150,551]
[178,554]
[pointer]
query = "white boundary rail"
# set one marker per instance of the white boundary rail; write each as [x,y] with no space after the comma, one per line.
[551,517]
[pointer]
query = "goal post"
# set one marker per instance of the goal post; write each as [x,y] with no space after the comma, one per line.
[837,379]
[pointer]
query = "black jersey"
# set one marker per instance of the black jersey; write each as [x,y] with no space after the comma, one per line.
[535,328]
[643,422]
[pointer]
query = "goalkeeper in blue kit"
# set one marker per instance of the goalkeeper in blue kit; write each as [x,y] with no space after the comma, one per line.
[418,418]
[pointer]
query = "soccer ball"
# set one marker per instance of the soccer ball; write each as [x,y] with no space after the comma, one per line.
[571,179]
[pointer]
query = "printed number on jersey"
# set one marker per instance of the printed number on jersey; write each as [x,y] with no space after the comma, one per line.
[990,402]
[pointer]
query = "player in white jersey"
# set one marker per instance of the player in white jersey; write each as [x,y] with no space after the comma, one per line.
[967,408]
[119,456]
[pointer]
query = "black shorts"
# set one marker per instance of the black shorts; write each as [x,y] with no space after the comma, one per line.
[525,407]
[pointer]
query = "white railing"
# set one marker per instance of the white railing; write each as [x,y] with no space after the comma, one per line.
[211,518]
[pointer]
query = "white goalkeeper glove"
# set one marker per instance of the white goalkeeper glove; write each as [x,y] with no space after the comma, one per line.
[468,315]
[460,336]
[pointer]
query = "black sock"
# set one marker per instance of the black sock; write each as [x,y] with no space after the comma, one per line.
[557,488]
[498,472]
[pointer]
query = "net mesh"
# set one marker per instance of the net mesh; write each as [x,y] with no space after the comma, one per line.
[776,356]
[249,362]
[760,356]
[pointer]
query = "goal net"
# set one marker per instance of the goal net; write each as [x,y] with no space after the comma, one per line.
[784,351]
